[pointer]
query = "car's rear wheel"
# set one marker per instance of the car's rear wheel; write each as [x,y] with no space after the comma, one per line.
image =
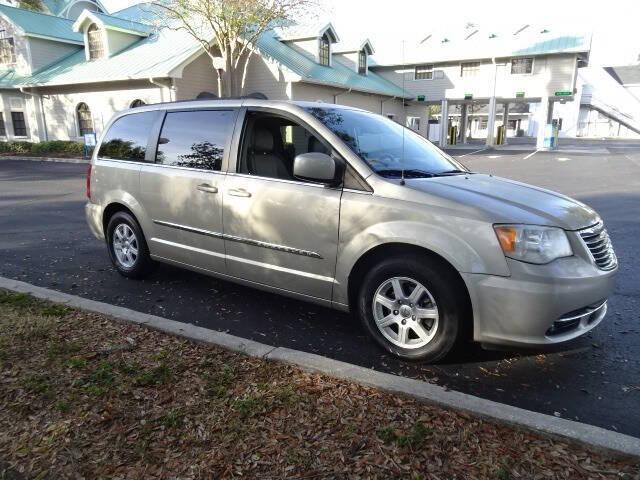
[412,306]
[127,246]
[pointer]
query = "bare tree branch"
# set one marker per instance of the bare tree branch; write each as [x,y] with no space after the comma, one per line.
[228,30]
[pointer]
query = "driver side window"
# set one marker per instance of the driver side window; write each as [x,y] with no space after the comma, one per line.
[271,142]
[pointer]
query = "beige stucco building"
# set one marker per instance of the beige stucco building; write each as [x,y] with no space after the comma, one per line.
[66,72]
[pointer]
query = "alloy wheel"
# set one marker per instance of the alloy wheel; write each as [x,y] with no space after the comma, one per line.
[405,312]
[125,245]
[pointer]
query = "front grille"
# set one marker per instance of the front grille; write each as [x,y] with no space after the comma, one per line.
[597,241]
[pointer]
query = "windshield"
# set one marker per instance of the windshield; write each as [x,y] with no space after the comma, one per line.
[380,143]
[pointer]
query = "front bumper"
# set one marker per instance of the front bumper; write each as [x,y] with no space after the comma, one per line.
[93,213]
[539,305]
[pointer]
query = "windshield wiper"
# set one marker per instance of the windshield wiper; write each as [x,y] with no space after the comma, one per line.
[454,171]
[408,173]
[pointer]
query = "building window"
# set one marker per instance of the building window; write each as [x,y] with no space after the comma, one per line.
[95,39]
[7,49]
[484,123]
[85,121]
[19,125]
[324,53]
[362,62]
[470,69]
[137,103]
[3,127]
[521,66]
[423,72]
[413,123]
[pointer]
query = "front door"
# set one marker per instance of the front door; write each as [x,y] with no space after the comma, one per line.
[182,191]
[279,231]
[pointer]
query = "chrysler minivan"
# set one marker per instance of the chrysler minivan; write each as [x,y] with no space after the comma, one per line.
[348,209]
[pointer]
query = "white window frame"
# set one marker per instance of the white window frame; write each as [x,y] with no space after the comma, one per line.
[105,46]
[412,121]
[18,105]
[533,62]
[366,61]
[427,69]
[4,37]
[328,64]
[476,69]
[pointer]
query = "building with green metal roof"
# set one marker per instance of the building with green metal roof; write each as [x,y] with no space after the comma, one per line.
[62,78]
[64,73]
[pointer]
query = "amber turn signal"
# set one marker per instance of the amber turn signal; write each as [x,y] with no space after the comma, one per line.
[507,237]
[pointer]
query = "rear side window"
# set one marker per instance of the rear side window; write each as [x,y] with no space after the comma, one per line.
[195,139]
[128,137]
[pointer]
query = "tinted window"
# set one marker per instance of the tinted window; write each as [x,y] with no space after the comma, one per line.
[387,147]
[128,136]
[195,139]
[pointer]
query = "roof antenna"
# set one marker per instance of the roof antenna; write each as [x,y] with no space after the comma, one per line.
[404,115]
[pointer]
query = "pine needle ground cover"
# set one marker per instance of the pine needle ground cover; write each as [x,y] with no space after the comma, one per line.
[82,396]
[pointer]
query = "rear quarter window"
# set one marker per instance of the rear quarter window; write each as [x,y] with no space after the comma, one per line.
[195,138]
[128,137]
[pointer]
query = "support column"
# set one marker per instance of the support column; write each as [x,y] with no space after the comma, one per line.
[542,118]
[505,121]
[491,123]
[444,122]
[463,123]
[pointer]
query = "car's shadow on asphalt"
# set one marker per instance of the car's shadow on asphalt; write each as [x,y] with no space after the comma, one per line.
[303,316]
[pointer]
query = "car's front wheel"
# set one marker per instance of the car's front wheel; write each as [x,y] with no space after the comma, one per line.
[413,307]
[127,246]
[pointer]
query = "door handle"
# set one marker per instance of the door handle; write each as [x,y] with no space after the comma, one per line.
[239,192]
[207,188]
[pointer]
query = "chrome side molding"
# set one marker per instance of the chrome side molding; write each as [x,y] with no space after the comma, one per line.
[247,241]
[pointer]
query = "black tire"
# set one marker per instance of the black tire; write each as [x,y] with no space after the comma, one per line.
[142,265]
[444,286]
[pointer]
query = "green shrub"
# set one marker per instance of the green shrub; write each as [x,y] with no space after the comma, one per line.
[49,148]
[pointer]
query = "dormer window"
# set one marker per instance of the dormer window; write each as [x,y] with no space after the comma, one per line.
[95,41]
[324,51]
[7,49]
[362,62]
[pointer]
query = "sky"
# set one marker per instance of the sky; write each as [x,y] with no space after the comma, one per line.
[614,24]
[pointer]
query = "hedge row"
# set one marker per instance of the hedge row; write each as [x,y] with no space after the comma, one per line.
[53,147]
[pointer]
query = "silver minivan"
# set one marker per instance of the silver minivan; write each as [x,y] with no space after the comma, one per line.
[348,209]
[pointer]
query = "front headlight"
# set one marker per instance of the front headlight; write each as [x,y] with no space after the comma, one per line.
[533,244]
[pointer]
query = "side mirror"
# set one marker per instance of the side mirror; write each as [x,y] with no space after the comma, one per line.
[316,167]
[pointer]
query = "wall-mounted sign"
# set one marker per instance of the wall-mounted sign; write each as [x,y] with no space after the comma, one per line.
[420,98]
[90,139]
[519,94]
[563,93]
[468,96]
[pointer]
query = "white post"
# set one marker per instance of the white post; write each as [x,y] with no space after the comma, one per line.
[505,121]
[463,123]
[444,122]
[491,123]
[542,116]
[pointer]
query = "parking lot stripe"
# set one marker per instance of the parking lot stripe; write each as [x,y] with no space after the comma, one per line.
[471,153]
[589,436]
[531,155]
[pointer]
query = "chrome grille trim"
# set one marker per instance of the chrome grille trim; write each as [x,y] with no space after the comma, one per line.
[599,245]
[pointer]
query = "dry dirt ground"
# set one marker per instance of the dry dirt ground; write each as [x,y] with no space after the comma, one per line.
[82,396]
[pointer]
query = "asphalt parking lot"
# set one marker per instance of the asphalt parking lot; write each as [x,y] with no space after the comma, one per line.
[44,240]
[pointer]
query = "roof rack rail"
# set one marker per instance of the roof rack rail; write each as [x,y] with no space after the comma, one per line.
[211,96]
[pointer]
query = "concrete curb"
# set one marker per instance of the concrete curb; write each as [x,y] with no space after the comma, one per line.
[589,436]
[48,159]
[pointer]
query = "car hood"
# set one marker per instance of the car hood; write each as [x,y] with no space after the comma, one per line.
[507,201]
